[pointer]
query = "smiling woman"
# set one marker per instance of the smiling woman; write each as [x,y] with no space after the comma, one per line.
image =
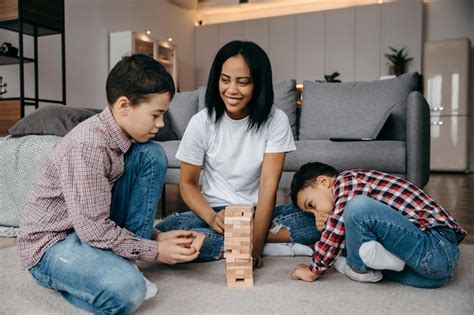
[236,87]
[238,142]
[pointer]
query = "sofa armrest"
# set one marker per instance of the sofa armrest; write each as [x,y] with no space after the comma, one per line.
[418,139]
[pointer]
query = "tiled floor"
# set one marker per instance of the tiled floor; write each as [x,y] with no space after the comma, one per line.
[455,192]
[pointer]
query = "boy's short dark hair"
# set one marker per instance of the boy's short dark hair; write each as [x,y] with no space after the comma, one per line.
[260,104]
[307,174]
[137,76]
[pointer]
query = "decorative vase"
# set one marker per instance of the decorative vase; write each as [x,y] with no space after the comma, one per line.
[397,70]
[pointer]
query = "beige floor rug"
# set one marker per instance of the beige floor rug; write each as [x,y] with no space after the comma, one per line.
[200,288]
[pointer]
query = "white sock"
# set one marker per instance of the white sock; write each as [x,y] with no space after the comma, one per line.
[277,249]
[286,249]
[302,250]
[151,288]
[375,256]
[341,265]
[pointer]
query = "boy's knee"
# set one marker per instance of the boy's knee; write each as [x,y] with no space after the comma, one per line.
[157,153]
[357,206]
[152,152]
[123,294]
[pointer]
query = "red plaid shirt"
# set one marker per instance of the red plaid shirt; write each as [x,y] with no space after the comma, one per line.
[72,192]
[399,194]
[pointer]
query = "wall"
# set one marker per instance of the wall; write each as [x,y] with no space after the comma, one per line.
[351,41]
[88,23]
[445,19]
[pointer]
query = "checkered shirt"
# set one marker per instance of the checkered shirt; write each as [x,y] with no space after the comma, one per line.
[402,196]
[72,192]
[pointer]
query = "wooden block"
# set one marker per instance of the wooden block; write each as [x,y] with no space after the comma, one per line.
[239,263]
[239,211]
[231,255]
[240,283]
[232,220]
[198,241]
[229,268]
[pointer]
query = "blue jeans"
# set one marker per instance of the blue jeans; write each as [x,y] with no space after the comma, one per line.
[300,225]
[97,280]
[430,255]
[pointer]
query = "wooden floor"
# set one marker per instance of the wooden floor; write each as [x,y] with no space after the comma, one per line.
[455,192]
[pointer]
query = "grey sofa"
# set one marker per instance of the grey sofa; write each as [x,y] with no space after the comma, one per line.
[338,110]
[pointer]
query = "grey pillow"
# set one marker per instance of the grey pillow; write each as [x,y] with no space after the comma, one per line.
[51,120]
[285,99]
[354,109]
[183,106]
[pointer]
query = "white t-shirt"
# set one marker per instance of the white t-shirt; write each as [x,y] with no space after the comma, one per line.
[231,155]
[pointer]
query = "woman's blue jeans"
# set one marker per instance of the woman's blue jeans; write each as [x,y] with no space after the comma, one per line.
[430,255]
[301,227]
[98,280]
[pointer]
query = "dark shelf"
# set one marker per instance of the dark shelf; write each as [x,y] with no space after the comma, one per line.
[28,28]
[34,18]
[7,60]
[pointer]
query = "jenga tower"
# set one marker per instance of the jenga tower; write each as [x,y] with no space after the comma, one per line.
[238,238]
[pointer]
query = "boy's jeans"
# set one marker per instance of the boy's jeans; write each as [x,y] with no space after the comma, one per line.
[300,225]
[97,280]
[430,256]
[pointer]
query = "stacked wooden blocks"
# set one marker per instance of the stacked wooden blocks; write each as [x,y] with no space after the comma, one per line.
[238,238]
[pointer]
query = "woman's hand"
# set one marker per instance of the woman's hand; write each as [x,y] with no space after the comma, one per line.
[216,222]
[175,247]
[302,272]
[257,260]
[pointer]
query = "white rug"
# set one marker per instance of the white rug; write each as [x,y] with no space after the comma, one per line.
[200,288]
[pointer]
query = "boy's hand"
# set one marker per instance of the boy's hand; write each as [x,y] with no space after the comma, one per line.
[321,218]
[302,272]
[173,234]
[175,247]
[217,222]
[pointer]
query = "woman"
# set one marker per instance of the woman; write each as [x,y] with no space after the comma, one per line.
[238,143]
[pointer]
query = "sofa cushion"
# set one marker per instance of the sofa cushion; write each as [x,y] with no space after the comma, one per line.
[182,108]
[386,156]
[202,97]
[171,147]
[354,109]
[285,99]
[55,120]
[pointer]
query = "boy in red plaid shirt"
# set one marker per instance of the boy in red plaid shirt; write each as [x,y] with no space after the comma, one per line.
[379,222]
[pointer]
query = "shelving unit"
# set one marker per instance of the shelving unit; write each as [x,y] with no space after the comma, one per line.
[129,42]
[34,18]
[167,57]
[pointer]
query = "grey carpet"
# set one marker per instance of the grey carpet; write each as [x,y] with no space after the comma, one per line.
[200,288]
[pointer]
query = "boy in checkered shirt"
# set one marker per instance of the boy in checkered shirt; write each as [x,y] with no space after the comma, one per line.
[382,224]
[93,202]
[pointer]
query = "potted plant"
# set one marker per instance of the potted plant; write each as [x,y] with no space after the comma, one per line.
[331,78]
[398,60]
